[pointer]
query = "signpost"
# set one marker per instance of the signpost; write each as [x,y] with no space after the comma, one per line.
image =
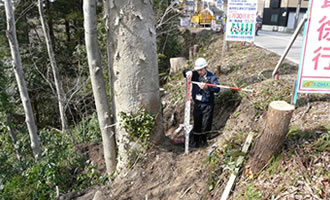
[314,67]
[241,20]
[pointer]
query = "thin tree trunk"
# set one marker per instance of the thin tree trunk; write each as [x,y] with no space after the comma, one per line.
[50,24]
[19,74]
[270,142]
[56,74]
[134,61]
[12,133]
[35,110]
[106,5]
[98,84]
[26,31]
[67,30]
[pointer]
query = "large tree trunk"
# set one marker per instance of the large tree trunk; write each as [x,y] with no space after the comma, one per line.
[134,61]
[270,142]
[98,84]
[56,74]
[19,74]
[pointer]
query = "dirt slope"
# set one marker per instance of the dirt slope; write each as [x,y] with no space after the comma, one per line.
[301,171]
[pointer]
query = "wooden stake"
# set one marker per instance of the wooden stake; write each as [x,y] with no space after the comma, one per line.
[239,162]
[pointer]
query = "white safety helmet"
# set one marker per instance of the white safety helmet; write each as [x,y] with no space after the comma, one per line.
[200,63]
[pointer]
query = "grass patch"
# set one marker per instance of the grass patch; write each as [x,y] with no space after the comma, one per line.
[252,193]
[166,77]
[228,97]
[177,90]
[273,91]
[318,136]
[223,161]
[323,143]
[275,163]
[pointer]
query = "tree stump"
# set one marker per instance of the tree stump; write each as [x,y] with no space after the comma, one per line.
[177,64]
[271,139]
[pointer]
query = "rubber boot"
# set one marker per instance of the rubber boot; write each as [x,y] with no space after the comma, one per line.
[193,143]
[203,141]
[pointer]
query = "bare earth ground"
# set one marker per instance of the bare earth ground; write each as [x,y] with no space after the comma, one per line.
[300,171]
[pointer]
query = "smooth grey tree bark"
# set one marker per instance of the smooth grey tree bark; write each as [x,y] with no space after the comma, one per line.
[58,84]
[19,74]
[106,6]
[98,84]
[135,71]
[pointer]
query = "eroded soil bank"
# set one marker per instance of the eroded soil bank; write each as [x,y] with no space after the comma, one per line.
[300,171]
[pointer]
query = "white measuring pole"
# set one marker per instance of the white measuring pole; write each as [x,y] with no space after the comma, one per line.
[187,126]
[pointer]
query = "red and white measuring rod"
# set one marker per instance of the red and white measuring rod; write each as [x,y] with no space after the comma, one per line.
[227,87]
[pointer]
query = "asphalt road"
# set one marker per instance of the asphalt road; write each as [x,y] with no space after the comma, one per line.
[277,43]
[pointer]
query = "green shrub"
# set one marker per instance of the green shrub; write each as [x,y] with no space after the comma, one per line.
[59,167]
[88,130]
[138,126]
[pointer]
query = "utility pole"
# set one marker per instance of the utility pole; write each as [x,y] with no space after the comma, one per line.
[297,14]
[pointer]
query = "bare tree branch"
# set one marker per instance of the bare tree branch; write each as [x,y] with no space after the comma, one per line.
[44,77]
[76,89]
[27,9]
[166,21]
[173,7]
[167,31]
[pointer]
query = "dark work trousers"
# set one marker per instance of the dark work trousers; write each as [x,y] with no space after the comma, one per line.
[203,115]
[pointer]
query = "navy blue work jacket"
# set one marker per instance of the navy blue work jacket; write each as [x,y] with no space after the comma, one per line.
[207,96]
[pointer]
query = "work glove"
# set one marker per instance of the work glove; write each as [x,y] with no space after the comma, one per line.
[188,74]
[202,86]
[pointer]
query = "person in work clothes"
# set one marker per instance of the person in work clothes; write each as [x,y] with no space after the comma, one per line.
[203,97]
[258,24]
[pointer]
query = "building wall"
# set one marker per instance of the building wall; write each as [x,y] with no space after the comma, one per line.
[275,16]
[272,3]
[261,6]
[281,12]
[287,3]
[267,3]
[284,3]
[293,3]
[291,19]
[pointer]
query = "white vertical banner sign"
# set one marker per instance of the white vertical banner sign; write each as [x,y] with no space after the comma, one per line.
[241,20]
[314,68]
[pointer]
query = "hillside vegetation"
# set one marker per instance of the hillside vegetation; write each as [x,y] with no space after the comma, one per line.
[300,171]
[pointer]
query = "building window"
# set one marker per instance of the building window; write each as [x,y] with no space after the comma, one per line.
[274,18]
